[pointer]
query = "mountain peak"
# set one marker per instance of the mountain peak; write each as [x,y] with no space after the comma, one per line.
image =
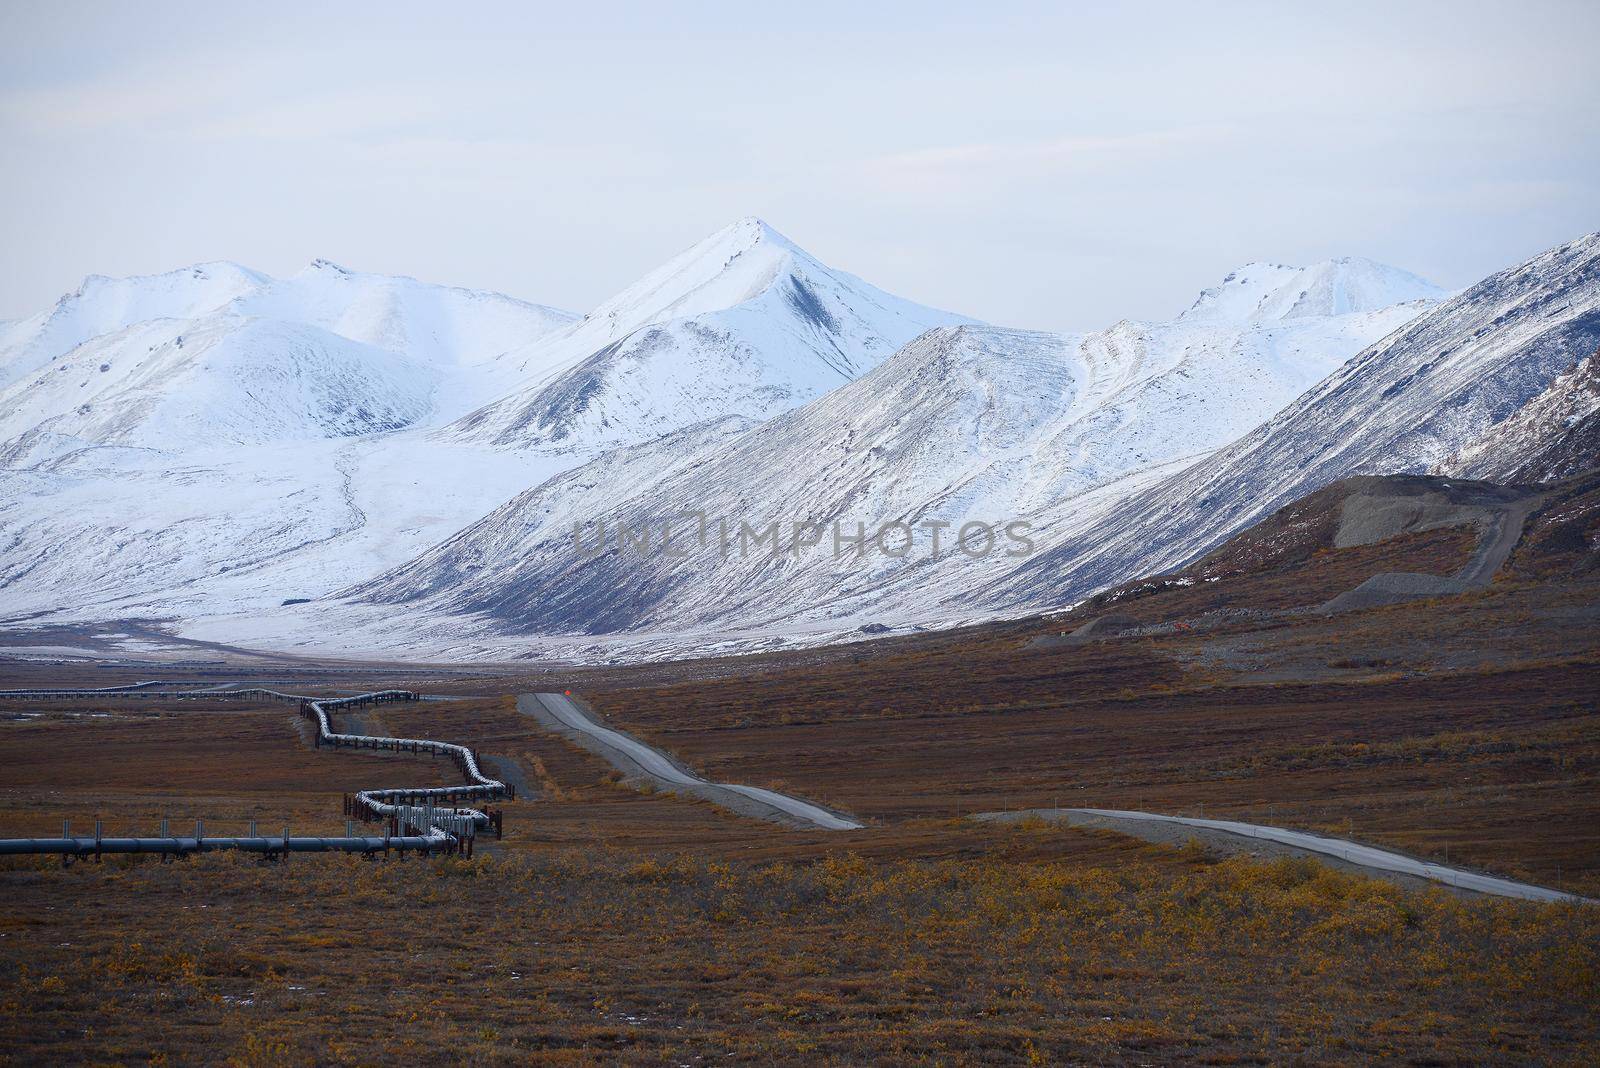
[211,271]
[102,304]
[1261,291]
[743,323]
[749,232]
[732,265]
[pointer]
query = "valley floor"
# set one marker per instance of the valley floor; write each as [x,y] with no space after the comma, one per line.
[627,925]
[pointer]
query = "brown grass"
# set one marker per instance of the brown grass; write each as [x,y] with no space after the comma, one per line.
[1169,725]
[133,765]
[597,956]
[614,925]
[1223,581]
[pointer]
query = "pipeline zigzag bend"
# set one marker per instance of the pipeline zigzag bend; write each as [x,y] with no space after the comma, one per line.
[414,817]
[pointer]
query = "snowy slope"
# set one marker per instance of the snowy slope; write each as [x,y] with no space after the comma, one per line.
[1265,291]
[105,305]
[180,431]
[171,385]
[459,331]
[1400,406]
[964,423]
[466,334]
[107,534]
[744,324]
[1129,450]
[273,438]
[1553,436]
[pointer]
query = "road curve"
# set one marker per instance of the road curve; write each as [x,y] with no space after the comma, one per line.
[1496,543]
[634,757]
[1353,853]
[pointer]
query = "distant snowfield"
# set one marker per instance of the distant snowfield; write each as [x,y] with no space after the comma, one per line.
[406,462]
[216,440]
[212,442]
[240,529]
[964,423]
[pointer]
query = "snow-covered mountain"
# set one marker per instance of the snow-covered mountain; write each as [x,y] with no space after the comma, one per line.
[465,335]
[1401,406]
[964,423]
[1266,291]
[440,326]
[1242,351]
[744,324]
[430,452]
[218,354]
[228,440]
[181,430]
[171,385]
[106,305]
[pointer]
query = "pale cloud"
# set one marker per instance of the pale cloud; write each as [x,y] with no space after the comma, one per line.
[184,104]
[1053,154]
[1036,164]
[389,113]
[955,169]
[86,109]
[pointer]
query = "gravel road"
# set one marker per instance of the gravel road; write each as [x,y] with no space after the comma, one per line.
[562,714]
[1241,837]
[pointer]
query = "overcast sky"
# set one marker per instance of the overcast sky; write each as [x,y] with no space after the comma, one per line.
[1040,165]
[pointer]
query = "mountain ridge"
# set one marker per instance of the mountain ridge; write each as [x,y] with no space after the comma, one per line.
[742,324]
[961,423]
[1128,449]
[1397,407]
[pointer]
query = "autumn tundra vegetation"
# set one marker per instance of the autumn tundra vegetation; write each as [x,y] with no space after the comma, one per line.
[618,924]
[595,955]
